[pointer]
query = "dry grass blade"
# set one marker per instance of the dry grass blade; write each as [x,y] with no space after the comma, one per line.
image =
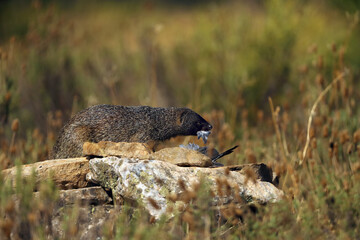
[312,112]
[278,134]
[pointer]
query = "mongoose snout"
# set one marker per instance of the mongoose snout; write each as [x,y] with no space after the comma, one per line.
[127,124]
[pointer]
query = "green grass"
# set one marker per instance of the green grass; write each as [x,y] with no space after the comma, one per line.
[223,60]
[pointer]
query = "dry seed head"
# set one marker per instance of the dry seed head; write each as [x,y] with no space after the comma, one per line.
[159,181]
[73,230]
[219,187]
[235,221]
[325,131]
[188,218]
[182,185]
[338,85]
[238,211]
[244,114]
[10,207]
[333,48]
[336,149]
[196,186]
[313,143]
[188,196]
[13,149]
[249,175]
[277,111]
[170,209]
[289,168]
[15,125]
[331,152]
[356,166]
[334,133]
[319,80]
[250,156]
[181,206]
[341,54]
[312,48]
[304,102]
[153,203]
[345,92]
[260,116]
[350,148]
[226,213]
[227,171]
[278,170]
[32,218]
[318,121]
[323,182]
[303,69]
[346,185]
[344,136]
[356,137]
[312,132]
[320,62]
[309,153]
[36,4]
[237,194]
[312,162]
[7,226]
[7,96]
[5,56]
[286,118]
[241,102]
[51,136]
[152,220]
[302,86]
[296,129]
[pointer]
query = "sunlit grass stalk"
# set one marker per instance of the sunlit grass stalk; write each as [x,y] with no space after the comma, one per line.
[312,112]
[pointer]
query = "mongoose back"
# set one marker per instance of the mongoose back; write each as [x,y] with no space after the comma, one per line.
[125,124]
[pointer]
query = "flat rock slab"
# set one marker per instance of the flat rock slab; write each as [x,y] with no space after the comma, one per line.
[176,155]
[120,149]
[141,180]
[66,173]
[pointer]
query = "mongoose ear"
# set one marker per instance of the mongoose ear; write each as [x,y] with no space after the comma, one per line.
[181,117]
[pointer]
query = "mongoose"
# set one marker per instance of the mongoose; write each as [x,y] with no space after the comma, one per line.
[125,124]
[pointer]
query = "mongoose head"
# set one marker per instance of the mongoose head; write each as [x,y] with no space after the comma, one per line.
[191,122]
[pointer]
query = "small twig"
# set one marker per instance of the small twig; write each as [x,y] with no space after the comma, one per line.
[278,135]
[312,112]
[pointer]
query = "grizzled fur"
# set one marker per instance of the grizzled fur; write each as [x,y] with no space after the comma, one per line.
[125,124]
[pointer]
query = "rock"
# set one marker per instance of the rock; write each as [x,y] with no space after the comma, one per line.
[84,196]
[141,180]
[182,157]
[261,171]
[66,173]
[175,155]
[91,221]
[89,207]
[120,149]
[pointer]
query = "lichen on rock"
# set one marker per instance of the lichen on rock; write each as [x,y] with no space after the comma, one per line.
[141,180]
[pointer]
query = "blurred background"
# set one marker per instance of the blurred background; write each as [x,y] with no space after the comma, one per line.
[223,59]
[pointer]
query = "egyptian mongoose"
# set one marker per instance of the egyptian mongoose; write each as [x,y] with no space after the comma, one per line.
[126,124]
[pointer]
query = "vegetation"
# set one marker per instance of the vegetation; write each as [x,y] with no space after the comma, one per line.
[222,59]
